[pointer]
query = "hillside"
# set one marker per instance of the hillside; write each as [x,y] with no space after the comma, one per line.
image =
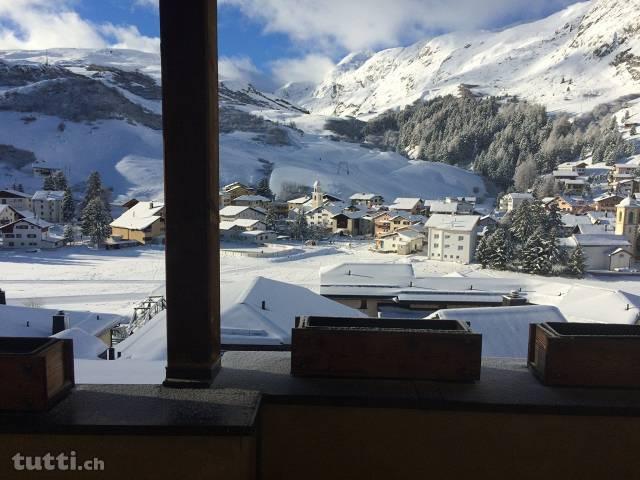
[85,110]
[572,61]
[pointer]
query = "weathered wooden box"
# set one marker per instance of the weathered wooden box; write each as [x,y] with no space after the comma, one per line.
[35,373]
[385,348]
[585,354]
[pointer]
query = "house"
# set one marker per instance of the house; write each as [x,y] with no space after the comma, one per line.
[389,222]
[352,222]
[568,204]
[19,200]
[575,187]
[602,251]
[626,187]
[366,200]
[512,201]
[47,205]
[561,175]
[623,170]
[449,206]
[579,167]
[28,233]
[251,201]
[403,242]
[8,214]
[297,203]
[571,223]
[234,212]
[452,238]
[143,223]
[246,230]
[607,202]
[237,189]
[414,206]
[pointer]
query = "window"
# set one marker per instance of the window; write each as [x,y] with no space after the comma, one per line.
[436,235]
[460,247]
[436,245]
[460,238]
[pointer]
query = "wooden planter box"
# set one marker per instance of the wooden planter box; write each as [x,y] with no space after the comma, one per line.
[585,354]
[385,348]
[35,373]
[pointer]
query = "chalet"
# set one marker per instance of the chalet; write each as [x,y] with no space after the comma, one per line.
[579,167]
[143,223]
[575,187]
[512,201]
[403,242]
[389,222]
[569,204]
[232,213]
[624,169]
[561,175]
[237,189]
[251,201]
[452,238]
[352,222]
[8,214]
[414,206]
[366,199]
[47,205]
[571,223]
[28,233]
[449,206]
[18,200]
[297,203]
[606,202]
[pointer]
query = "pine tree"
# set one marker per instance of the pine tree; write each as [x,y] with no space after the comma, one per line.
[263,188]
[500,249]
[68,207]
[577,262]
[93,189]
[270,219]
[59,181]
[49,183]
[95,221]
[68,235]
[522,222]
[535,256]
[554,221]
[483,250]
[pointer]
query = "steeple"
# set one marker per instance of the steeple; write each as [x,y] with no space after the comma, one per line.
[317,198]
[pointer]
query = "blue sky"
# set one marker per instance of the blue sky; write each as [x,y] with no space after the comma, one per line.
[267,42]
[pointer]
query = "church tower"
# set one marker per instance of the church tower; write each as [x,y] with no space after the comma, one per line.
[317,198]
[628,222]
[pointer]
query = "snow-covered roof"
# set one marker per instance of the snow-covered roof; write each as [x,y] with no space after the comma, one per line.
[235,210]
[48,195]
[410,233]
[443,207]
[85,345]
[620,250]
[519,196]
[565,173]
[14,193]
[462,223]
[606,196]
[405,203]
[578,181]
[252,198]
[140,216]
[602,240]
[9,207]
[299,200]
[254,233]
[379,274]
[571,220]
[364,196]
[629,202]
[603,229]
[13,321]
[243,320]
[38,222]
[505,330]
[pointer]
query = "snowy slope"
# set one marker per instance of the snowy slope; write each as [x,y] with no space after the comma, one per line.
[585,55]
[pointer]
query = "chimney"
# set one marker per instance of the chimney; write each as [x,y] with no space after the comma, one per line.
[60,322]
[513,299]
[3,297]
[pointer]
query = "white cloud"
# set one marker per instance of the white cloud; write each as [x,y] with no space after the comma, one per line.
[238,69]
[147,3]
[362,24]
[130,37]
[311,68]
[42,24]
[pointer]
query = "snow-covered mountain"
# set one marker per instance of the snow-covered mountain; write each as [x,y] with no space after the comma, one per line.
[85,110]
[585,55]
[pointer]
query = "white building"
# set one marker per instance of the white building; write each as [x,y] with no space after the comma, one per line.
[602,251]
[47,205]
[18,200]
[28,233]
[8,214]
[366,199]
[404,242]
[412,205]
[452,238]
[511,201]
